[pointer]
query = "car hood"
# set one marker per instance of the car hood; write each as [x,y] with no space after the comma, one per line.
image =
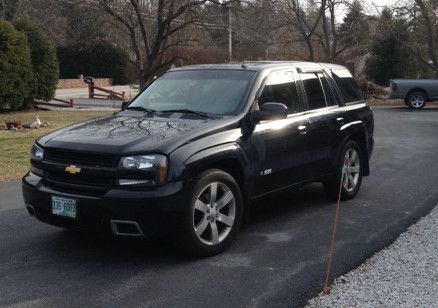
[129,134]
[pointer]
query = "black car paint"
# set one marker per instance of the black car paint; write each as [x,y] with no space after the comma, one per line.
[264,157]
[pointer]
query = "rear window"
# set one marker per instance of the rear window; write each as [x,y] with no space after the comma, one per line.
[347,85]
[314,92]
[329,96]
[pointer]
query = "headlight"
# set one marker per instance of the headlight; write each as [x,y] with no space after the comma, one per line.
[154,166]
[36,153]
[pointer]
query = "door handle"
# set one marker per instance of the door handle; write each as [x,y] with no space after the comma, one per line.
[340,120]
[302,129]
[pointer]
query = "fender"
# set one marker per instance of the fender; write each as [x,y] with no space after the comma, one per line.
[214,156]
[357,128]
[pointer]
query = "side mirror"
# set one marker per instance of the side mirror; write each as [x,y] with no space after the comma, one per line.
[125,104]
[270,111]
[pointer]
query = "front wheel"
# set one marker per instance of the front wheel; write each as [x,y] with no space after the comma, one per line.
[350,165]
[214,214]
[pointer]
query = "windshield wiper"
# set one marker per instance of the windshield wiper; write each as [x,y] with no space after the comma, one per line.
[140,108]
[199,113]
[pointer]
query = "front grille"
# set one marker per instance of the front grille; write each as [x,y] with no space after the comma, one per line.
[87,180]
[81,184]
[78,158]
[91,181]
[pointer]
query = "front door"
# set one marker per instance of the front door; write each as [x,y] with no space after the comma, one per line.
[279,146]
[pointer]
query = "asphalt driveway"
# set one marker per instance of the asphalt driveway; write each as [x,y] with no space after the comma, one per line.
[276,261]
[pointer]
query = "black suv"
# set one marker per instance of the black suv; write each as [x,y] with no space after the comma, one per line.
[198,145]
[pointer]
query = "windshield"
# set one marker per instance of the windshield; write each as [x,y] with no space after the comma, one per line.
[210,91]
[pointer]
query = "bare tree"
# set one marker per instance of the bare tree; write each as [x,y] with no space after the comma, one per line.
[335,37]
[304,23]
[428,18]
[422,16]
[152,27]
[329,38]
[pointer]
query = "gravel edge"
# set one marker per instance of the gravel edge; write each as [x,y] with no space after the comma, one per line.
[405,274]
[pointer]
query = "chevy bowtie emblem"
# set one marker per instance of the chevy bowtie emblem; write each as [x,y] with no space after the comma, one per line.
[72,169]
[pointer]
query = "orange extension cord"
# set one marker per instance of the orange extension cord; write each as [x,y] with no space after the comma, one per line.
[326,288]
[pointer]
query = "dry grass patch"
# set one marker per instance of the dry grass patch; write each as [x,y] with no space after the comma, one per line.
[15,146]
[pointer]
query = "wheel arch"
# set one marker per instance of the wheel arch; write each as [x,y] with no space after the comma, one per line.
[418,89]
[227,157]
[361,140]
[356,131]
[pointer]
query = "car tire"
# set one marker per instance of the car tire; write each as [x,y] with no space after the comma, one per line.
[416,100]
[351,154]
[214,214]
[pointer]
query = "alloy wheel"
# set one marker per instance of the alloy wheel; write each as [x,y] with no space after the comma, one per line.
[214,213]
[352,170]
[417,101]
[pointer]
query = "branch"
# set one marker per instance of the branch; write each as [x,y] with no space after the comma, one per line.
[141,24]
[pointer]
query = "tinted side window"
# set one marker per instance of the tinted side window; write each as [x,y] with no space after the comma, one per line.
[328,91]
[348,86]
[314,93]
[281,88]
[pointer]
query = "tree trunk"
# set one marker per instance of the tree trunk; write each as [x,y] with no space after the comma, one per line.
[141,81]
[431,44]
[310,49]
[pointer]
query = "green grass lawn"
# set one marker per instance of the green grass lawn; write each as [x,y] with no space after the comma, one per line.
[15,146]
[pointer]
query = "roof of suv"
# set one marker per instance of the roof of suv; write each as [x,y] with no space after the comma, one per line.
[259,65]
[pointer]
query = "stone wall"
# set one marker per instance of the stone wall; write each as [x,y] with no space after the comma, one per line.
[79,83]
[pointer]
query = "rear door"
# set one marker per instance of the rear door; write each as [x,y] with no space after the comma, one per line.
[353,101]
[325,118]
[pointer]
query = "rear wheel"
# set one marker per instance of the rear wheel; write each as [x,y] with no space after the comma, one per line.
[416,100]
[214,214]
[351,161]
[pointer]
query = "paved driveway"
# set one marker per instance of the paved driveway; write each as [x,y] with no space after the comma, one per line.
[276,261]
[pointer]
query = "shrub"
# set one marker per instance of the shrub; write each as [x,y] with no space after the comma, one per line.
[15,67]
[43,58]
[100,60]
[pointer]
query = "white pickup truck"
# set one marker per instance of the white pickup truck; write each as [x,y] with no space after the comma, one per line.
[415,92]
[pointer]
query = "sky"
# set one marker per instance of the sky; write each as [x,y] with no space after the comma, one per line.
[372,4]
[371,7]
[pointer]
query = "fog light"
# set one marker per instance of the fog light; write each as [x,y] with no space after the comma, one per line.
[127,182]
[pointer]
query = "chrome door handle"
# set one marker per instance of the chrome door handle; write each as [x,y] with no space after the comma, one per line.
[302,129]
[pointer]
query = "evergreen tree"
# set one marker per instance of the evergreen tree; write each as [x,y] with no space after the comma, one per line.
[389,58]
[15,67]
[354,31]
[44,61]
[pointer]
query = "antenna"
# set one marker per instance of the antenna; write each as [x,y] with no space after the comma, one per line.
[243,65]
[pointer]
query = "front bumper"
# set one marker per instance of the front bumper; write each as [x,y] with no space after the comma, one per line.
[155,211]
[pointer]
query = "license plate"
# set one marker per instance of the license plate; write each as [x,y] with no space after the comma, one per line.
[64,207]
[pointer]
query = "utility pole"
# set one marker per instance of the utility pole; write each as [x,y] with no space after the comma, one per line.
[230,35]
